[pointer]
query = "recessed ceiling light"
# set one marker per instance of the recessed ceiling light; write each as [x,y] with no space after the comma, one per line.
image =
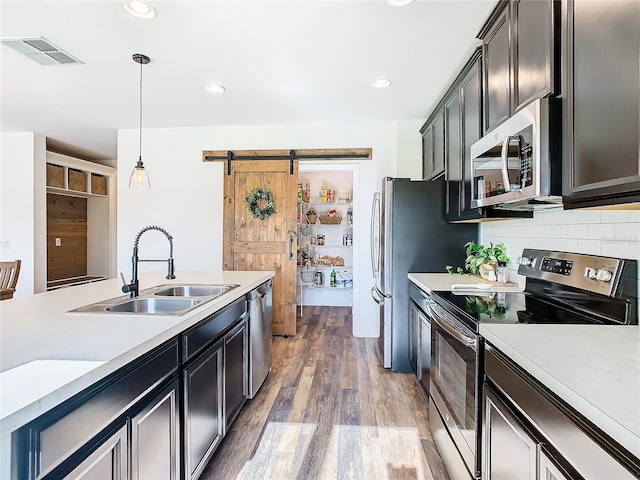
[400,3]
[140,8]
[216,88]
[381,82]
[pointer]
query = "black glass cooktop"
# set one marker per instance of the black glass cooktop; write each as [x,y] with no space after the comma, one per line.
[510,308]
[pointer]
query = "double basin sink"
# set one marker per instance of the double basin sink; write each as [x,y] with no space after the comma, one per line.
[170,299]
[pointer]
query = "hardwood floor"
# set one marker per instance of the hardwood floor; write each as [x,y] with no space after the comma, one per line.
[329,411]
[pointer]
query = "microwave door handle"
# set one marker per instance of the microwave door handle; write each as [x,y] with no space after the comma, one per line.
[505,164]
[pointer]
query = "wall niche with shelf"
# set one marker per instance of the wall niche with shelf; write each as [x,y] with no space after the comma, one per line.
[325,240]
[80,219]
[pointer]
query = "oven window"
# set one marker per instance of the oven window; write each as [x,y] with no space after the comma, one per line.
[451,377]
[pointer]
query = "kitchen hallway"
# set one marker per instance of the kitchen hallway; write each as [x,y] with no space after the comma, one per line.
[329,410]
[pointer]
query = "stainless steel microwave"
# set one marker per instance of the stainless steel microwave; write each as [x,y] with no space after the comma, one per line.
[518,165]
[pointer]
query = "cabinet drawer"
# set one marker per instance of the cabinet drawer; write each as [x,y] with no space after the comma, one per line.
[52,442]
[211,328]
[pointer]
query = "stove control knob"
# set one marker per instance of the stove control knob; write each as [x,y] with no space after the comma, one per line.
[526,261]
[604,275]
[590,272]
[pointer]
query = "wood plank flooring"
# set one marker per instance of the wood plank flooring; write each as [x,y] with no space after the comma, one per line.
[329,411]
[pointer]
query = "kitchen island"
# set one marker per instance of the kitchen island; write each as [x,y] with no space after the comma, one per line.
[48,355]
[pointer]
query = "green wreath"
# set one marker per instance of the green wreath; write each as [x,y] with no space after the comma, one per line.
[251,202]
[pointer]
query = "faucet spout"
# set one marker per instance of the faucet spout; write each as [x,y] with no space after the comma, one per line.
[133,288]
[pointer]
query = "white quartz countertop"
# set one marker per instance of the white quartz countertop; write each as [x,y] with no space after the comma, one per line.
[593,368]
[47,355]
[443,281]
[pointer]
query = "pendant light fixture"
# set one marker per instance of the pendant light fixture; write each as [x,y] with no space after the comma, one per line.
[139,177]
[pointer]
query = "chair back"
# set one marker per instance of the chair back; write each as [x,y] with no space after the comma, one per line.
[9,272]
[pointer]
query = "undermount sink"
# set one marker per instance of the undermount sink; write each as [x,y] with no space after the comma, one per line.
[155,305]
[168,299]
[194,290]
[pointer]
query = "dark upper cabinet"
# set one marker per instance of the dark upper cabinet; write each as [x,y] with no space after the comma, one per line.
[519,44]
[601,75]
[471,108]
[438,145]
[534,51]
[433,145]
[497,71]
[427,151]
[453,156]
[463,126]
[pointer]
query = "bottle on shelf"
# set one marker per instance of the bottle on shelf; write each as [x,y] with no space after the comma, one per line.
[501,271]
[332,278]
[323,194]
[349,217]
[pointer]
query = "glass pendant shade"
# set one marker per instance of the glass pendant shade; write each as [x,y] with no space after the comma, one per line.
[139,177]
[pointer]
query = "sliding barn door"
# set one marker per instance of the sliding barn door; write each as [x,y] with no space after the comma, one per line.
[269,244]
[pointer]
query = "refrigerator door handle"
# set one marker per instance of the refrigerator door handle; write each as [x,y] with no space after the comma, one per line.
[375,232]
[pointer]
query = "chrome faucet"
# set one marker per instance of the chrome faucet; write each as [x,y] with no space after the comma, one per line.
[134,286]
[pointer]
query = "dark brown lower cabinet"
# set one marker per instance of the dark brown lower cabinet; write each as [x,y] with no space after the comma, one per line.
[155,437]
[108,461]
[236,354]
[510,451]
[203,423]
[529,433]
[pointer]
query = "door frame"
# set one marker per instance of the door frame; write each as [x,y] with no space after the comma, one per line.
[320,159]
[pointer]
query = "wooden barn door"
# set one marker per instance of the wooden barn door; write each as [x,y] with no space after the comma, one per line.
[269,244]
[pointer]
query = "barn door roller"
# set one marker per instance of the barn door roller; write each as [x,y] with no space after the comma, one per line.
[293,155]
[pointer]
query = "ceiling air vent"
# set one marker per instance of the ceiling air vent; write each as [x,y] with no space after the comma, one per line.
[40,50]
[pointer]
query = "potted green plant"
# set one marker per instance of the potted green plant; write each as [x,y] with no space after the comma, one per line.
[482,260]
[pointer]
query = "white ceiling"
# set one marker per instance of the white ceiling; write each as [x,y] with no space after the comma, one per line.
[282,62]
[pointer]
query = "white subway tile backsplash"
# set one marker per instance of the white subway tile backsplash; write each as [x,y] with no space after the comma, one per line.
[568,216]
[614,216]
[548,218]
[607,232]
[591,247]
[568,245]
[588,216]
[560,231]
[627,231]
[614,249]
[578,231]
[599,231]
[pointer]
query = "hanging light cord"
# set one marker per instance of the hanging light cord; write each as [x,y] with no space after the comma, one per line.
[140,148]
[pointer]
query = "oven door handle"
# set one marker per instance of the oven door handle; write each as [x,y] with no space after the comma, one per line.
[459,336]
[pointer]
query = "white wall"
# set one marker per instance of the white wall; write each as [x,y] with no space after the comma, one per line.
[409,149]
[186,194]
[614,233]
[23,212]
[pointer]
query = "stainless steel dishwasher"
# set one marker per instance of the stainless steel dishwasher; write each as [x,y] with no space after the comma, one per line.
[259,305]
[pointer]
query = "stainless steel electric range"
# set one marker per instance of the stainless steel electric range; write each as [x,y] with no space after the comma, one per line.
[560,288]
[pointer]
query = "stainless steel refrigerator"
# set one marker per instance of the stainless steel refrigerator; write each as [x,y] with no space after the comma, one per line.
[409,234]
